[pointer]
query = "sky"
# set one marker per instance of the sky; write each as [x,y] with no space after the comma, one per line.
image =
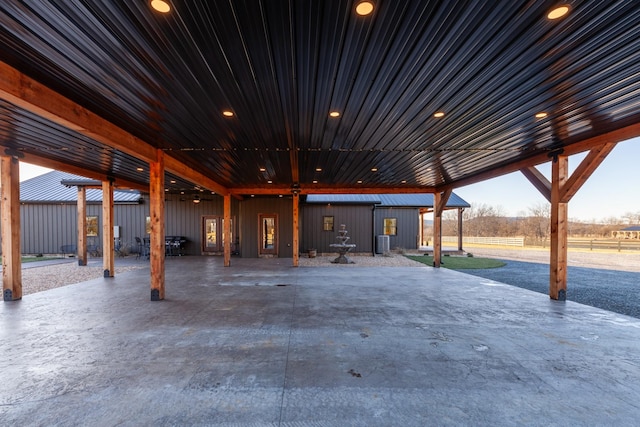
[612,190]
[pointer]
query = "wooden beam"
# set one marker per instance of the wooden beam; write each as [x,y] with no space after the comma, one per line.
[296,230]
[156,213]
[108,249]
[82,226]
[615,136]
[91,174]
[10,208]
[538,180]
[227,230]
[442,204]
[582,173]
[559,227]
[314,189]
[183,171]
[25,92]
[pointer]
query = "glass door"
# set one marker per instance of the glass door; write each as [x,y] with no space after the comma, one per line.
[213,234]
[211,241]
[268,244]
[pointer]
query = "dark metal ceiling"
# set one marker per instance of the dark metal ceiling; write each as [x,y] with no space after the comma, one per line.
[281,67]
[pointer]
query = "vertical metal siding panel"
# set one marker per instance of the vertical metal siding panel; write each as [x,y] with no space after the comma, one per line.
[356,218]
[407,226]
[248,213]
[184,218]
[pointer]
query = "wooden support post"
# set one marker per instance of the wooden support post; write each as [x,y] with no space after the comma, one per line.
[439,202]
[559,218]
[296,230]
[460,210]
[10,207]
[227,230]
[82,225]
[156,213]
[108,255]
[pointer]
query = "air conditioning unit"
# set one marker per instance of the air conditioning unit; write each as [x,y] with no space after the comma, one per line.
[382,244]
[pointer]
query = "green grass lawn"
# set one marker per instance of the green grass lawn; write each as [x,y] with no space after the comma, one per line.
[459,262]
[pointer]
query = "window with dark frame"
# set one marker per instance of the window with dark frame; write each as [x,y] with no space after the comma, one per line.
[327,223]
[390,226]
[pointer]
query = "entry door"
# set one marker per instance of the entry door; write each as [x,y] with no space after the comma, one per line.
[213,234]
[268,244]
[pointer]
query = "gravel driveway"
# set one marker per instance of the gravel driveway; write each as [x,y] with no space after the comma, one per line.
[611,281]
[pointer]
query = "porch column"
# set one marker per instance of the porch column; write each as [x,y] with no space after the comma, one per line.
[11,253]
[227,230]
[296,230]
[439,202]
[437,230]
[460,210]
[108,255]
[82,225]
[559,228]
[156,213]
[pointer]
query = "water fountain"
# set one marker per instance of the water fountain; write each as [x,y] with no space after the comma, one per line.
[342,247]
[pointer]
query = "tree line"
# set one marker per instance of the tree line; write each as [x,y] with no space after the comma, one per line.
[482,220]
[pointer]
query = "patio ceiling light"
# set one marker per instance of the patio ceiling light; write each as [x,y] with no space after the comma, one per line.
[161,6]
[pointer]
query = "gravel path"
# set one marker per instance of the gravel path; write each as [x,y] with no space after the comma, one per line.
[49,275]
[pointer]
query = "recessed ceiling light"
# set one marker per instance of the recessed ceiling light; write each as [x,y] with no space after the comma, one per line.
[541,115]
[558,12]
[364,8]
[166,189]
[227,113]
[173,181]
[318,169]
[334,114]
[359,181]
[438,114]
[269,182]
[263,169]
[315,181]
[161,6]
[139,169]
[374,169]
[404,181]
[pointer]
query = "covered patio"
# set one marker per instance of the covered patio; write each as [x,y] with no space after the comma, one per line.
[265,344]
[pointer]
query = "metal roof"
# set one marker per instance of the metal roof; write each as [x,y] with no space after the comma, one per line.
[632,228]
[48,188]
[282,65]
[422,200]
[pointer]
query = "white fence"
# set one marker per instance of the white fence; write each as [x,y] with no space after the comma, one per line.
[502,241]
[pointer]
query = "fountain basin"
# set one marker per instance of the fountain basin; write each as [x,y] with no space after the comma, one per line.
[342,252]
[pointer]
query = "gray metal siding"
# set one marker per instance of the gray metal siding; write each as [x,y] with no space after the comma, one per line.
[407,224]
[46,227]
[357,219]
[250,209]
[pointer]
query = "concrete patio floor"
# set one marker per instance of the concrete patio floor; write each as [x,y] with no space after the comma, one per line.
[265,344]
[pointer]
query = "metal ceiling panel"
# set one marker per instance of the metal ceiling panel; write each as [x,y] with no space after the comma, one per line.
[282,65]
